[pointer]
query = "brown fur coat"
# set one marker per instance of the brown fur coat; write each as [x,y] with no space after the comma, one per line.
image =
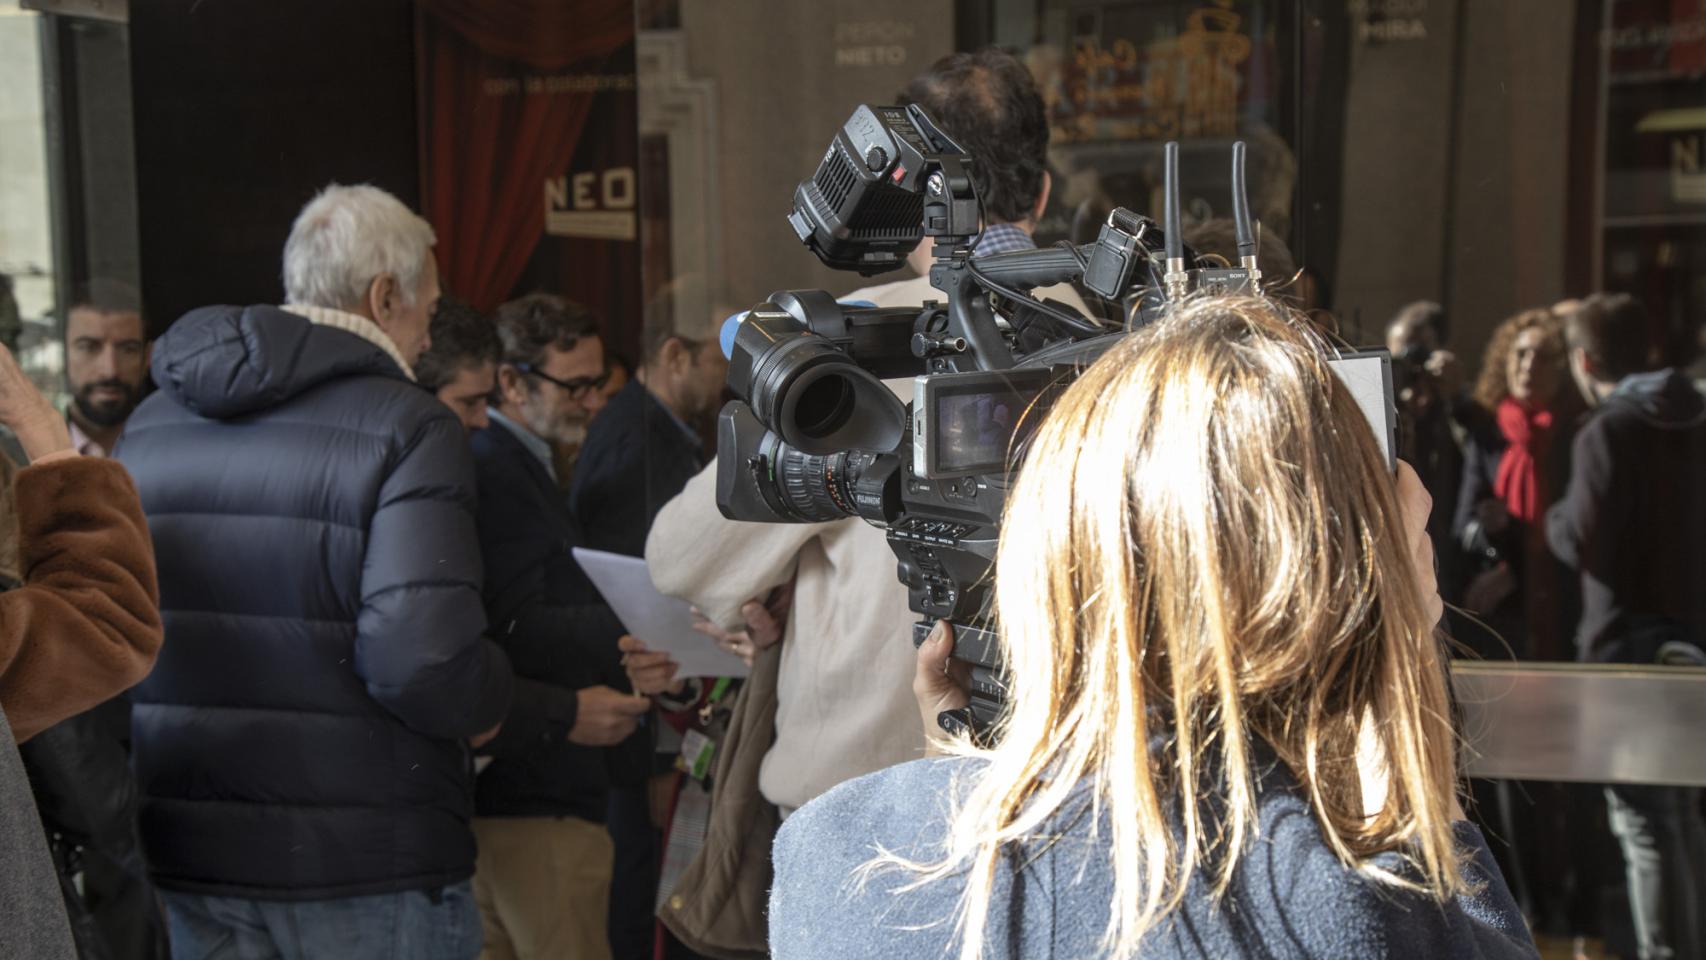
[85,624]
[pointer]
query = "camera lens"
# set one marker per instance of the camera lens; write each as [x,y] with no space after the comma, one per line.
[806,387]
[825,402]
[809,484]
[831,405]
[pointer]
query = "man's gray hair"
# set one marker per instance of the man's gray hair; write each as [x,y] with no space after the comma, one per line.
[347,236]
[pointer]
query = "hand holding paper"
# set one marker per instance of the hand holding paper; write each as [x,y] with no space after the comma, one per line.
[763,625]
[650,673]
[665,624]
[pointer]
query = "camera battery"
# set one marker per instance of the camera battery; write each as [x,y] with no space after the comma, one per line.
[1108,272]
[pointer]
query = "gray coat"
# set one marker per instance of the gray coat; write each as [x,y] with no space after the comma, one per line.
[32,915]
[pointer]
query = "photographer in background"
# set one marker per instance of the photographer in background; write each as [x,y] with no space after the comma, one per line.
[839,682]
[1425,382]
[988,103]
[1418,334]
[1228,721]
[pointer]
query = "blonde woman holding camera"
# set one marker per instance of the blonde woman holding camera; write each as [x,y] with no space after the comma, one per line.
[1229,730]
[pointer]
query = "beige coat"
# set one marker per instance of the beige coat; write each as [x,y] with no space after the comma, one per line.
[718,905]
[844,697]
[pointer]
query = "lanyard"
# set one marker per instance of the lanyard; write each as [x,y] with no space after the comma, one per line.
[718,690]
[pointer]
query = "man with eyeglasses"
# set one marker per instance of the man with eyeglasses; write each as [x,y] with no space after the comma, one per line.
[542,880]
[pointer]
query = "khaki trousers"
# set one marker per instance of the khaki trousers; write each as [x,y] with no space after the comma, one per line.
[543,888]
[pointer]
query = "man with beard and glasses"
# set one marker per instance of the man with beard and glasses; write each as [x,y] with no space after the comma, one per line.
[106,361]
[543,876]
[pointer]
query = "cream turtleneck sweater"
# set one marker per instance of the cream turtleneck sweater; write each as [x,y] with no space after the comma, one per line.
[356,324]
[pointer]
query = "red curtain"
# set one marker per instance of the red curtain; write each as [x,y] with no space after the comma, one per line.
[487,149]
[1688,56]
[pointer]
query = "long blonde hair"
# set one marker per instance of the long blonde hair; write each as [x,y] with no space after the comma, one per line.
[1204,547]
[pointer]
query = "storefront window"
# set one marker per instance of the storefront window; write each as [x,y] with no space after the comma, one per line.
[27,268]
[67,171]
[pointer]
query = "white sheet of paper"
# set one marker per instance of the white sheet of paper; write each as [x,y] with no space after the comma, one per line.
[663,623]
[1368,374]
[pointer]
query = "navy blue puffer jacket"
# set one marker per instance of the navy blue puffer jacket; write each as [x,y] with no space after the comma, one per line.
[302,735]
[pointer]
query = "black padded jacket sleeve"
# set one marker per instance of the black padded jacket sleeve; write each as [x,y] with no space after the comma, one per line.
[421,647]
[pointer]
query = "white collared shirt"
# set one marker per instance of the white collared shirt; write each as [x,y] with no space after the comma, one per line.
[81,442]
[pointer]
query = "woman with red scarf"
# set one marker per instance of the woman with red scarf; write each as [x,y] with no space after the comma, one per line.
[1517,465]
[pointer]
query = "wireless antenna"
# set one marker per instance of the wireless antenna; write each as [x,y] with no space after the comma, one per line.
[1176,281]
[1241,217]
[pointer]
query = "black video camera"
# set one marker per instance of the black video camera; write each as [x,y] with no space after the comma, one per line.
[817,435]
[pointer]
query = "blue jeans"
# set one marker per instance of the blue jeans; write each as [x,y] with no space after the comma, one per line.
[412,925]
[1664,856]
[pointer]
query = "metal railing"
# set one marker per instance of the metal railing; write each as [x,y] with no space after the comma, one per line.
[1589,723]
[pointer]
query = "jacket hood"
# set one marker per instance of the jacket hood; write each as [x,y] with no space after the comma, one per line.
[223,362]
[1663,398]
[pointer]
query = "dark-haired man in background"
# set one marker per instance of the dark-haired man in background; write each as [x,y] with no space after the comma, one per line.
[1633,522]
[843,676]
[646,442]
[989,104]
[545,860]
[106,363]
[846,663]
[80,768]
[460,367]
[106,366]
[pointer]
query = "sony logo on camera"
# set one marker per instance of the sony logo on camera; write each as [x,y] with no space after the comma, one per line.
[594,205]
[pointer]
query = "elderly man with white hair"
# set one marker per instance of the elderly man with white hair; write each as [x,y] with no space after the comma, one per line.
[303,745]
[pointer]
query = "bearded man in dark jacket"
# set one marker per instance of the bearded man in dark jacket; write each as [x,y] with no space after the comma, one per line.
[303,747]
[543,884]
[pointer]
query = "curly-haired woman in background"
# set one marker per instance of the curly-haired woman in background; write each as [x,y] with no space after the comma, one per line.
[1515,466]
[1228,729]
